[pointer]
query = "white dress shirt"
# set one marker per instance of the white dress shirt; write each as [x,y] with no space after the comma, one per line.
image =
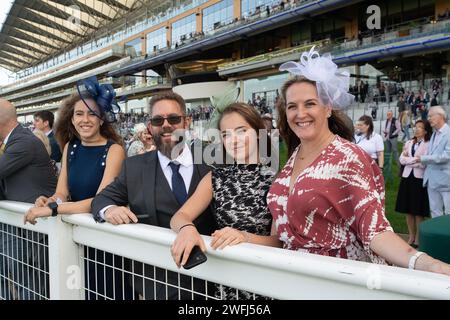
[186,162]
[372,146]
[186,166]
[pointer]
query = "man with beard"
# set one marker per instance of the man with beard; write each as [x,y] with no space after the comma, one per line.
[155,185]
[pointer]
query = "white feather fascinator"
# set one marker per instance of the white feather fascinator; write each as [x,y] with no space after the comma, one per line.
[332,85]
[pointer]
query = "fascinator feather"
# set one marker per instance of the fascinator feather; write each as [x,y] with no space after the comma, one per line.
[332,84]
[104,96]
[219,104]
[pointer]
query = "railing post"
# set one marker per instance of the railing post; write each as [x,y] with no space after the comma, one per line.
[66,280]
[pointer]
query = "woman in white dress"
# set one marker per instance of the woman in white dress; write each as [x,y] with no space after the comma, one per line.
[368,140]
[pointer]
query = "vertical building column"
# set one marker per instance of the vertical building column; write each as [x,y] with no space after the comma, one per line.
[351,27]
[169,34]
[237,5]
[144,52]
[143,43]
[199,20]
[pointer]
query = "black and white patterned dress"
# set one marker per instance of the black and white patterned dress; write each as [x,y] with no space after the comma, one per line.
[239,193]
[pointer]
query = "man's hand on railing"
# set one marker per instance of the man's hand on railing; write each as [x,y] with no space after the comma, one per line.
[120,215]
[188,237]
[227,237]
[36,212]
[42,201]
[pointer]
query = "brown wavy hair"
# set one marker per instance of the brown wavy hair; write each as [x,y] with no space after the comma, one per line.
[66,132]
[338,123]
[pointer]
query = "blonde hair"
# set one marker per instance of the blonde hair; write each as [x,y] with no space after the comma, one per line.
[43,137]
[139,128]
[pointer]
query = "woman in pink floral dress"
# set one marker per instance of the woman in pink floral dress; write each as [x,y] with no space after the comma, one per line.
[329,197]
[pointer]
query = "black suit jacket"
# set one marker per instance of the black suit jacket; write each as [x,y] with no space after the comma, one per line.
[56,151]
[153,202]
[25,169]
[136,186]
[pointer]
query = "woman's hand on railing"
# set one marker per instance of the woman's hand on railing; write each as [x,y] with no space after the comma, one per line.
[36,212]
[187,238]
[227,237]
[427,263]
[41,201]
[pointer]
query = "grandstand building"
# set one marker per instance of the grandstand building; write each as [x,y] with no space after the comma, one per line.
[199,47]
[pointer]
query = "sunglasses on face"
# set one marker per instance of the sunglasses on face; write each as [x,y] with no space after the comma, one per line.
[158,121]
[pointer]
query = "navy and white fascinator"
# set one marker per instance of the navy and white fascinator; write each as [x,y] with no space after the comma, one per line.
[103,95]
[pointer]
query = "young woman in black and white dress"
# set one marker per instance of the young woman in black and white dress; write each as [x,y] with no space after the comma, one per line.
[238,191]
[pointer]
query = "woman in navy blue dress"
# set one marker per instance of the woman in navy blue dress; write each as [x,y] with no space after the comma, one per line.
[92,158]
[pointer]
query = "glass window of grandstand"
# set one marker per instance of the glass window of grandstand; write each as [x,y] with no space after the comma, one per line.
[133,47]
[136,106]
[399,18]
[325,29]
[254,7]
[156,40]
[152,78]
[217,15]
[262,92]
[183,30]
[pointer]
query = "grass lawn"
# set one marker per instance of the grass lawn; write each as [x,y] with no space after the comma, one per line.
[397,220]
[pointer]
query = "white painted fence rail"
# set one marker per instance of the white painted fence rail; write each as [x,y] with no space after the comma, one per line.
[272,272]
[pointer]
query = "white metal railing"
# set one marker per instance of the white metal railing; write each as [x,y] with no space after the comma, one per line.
[271,272]
[58,247]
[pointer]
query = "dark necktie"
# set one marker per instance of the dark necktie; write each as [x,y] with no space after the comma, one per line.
[413,149]
[178,187]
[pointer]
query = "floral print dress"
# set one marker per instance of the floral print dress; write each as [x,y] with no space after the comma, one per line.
[336,205]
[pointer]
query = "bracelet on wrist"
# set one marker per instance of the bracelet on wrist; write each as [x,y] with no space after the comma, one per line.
[413,259]
[186,225]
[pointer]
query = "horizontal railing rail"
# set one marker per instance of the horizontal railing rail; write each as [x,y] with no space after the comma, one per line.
[271,272]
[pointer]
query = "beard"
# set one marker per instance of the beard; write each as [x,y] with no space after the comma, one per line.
[167,148]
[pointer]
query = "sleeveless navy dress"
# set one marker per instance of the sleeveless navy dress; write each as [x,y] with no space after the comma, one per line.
[86,166]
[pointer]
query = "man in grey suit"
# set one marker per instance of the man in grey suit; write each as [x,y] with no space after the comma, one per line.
[155,185]
[25,168]
[25,174]
[437,172]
